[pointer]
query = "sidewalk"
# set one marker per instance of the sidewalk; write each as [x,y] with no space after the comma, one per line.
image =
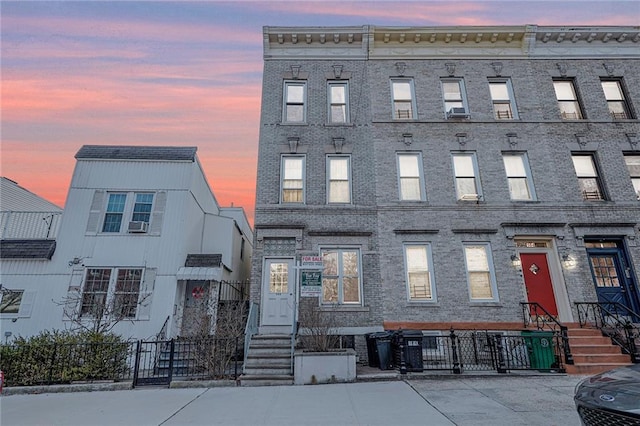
[438,400]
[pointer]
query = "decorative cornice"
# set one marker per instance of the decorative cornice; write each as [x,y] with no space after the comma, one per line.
[451,42]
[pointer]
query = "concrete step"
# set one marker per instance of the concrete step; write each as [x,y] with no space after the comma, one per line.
[580,359]
[268,362]
[579,349]
[592,368]
[267,371]
[266,380]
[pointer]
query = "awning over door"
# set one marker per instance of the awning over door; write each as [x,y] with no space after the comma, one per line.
[198,273]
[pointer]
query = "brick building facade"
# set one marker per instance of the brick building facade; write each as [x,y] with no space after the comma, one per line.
[447,174]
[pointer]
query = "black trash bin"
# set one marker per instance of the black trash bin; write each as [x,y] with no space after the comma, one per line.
[411,342]
[379,350]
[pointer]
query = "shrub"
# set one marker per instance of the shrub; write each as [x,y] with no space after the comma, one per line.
[62,356]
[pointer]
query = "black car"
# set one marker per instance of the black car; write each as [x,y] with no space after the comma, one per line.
[610,398]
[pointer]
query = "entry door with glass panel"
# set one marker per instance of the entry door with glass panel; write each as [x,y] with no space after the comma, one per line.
[537,280]
[612,280]
[278,292]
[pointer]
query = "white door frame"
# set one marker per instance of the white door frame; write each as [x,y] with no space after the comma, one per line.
[278,309]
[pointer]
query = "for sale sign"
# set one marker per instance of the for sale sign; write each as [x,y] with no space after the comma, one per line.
[311,284]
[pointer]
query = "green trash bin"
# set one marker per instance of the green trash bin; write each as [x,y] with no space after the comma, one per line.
[540,347]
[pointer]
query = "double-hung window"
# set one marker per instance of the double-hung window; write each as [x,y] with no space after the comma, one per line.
[115,211]
[142,207]
[519,176]
[588,176]
[338,102]
[338,179]
[410,177]
[633,165]
[465,168]
[293,173]
[341,276]
[403,99]
[480,273]
[455,98]
[111,292]
[568,101]
[504,105]
[295,95]
[616,100]
[419,272]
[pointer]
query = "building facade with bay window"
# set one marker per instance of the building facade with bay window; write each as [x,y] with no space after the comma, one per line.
[446,175]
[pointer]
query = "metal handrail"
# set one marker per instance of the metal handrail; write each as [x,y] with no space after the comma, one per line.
[250,329]
[621,331]
[162,334]
[550,321]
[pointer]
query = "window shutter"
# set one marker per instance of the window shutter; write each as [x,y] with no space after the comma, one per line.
[74,295]
[146,294]
[96,211]
[26,304]
[158,212]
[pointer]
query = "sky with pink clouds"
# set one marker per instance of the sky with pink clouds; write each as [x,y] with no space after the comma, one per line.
[186,73]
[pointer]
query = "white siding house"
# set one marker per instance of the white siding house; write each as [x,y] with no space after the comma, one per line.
[140,230]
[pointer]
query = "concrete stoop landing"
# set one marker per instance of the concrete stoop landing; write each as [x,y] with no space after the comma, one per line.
[592,352]
[268,361]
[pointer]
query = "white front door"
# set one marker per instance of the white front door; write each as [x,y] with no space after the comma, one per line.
[278,292]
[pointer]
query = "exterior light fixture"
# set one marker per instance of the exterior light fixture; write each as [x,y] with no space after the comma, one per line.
[515,261]
[568,261]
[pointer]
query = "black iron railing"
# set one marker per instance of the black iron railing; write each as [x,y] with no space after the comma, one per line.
[615,321]
[535,314]
[467,351]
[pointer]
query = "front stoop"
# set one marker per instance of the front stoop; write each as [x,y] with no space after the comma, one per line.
[593,353]
[268,361]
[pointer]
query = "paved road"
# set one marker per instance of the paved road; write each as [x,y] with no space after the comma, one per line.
[495,401]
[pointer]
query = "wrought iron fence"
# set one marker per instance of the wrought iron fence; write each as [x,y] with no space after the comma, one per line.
[151,362]
[485,351]
[46,364]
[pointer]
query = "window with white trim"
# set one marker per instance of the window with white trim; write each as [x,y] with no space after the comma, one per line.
[455,98]
[633,165]
[516,166]
[504,104]
[16,303]
[410,177]
[419,272]
[341,280]
[480,274]
[10,303]
[293,177]
[616,99]
[568,101]
[465,168]
[403,96]
[338,102]
[295,96]
[588,176]
[136,206]
[338,179]
[111,292]
[115,211]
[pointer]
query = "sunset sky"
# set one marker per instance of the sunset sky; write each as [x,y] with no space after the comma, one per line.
[186,73]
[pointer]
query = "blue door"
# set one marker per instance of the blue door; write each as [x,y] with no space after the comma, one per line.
[612,278]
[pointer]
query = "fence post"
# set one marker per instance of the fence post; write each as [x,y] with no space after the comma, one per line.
[172,347]
[501,366]
[454,349]
[136,367]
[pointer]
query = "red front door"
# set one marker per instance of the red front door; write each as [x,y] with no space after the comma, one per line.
[537,281]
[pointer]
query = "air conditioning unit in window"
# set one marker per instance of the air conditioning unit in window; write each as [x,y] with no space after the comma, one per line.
[138,227]
[457,113]
[470,197]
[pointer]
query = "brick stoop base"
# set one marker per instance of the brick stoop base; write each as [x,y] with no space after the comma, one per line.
[592,352]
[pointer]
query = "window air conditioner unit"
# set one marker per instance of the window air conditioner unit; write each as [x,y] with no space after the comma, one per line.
[457,113]
[138,227]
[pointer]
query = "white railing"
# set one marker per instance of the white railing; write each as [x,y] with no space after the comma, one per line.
[29,225]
